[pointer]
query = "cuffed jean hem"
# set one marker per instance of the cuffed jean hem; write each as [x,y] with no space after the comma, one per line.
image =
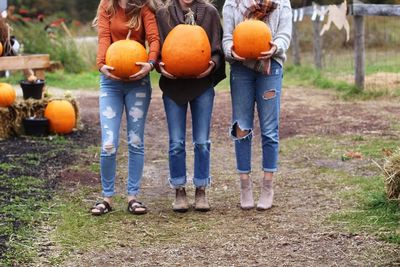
[243,172]
[177,182]
[202,182]
[108,194]
[270,170]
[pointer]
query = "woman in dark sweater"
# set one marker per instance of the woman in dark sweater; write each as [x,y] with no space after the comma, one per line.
[197,92]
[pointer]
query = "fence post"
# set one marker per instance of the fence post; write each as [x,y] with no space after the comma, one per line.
[317,41]
[295,46]
[359,51]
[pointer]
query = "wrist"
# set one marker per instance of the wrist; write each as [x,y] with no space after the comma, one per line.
[152,64]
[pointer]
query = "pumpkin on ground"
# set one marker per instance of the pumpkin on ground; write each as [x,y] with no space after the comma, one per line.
[7,95]
[250,38]
[61,116]
[186,51]
[122,55]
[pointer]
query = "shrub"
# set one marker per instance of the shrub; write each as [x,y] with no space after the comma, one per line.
[61,47]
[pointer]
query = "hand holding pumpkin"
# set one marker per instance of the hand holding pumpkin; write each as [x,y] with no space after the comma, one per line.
[207,71]
[236,56]
[144,70]
[106,71]
[268,54]
[164,72]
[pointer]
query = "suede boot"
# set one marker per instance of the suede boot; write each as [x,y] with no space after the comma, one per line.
[246,194]
[180,204]
[266,196]
[200,200]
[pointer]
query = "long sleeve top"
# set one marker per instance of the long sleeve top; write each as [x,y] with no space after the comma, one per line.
[206,16]
[112,29]
[279,21]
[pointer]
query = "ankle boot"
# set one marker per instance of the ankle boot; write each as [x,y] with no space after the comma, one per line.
[180,204]
[200,200]
[266,196]
[246,194]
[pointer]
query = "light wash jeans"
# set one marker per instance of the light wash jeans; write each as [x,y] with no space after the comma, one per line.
[114,97]
[201,108]
[249,87]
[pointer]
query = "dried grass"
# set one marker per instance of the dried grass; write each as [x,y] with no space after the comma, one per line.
[11,117]
[392,175]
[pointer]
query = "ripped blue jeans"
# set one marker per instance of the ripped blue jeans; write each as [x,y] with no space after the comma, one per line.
[201,108]
[249,88]
[115,96]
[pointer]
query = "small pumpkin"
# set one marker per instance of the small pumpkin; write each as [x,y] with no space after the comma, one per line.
[1,49]
[250,38]
[122,55]
[186,51]
[7,95]
[61,116]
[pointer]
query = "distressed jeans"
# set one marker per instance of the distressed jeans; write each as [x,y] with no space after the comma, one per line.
[201,108]
[249,88]
[115,96]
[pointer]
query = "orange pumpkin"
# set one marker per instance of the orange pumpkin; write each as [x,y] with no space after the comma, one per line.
[122,55]
[61,116]
[1,49]
[186,51]
[7,95]
[250,38]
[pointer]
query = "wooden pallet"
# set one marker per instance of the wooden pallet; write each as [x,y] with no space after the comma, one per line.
[38,63]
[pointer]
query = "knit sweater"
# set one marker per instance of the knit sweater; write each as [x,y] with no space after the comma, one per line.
[112,29]
[279,21]
[206,16]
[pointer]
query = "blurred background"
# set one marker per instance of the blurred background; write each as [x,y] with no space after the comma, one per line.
[63,30]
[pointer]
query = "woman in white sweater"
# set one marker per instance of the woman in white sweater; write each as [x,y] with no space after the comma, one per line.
[257,81]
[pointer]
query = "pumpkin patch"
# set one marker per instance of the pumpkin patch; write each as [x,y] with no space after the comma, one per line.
[7,95]
[186,51]
[250,38]
[122,55]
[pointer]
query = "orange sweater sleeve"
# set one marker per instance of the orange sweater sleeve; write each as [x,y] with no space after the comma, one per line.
[151,30]
[104,35]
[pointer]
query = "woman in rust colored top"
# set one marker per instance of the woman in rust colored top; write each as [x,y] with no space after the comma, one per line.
[115,20]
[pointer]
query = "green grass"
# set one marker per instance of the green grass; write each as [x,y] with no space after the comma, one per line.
[366,207]
[372,211]
[61,79]
[309,76]
[22,210]
[84,80]
[24,198]
[77,230]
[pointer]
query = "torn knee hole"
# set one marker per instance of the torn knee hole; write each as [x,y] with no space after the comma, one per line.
[269,94]
[109,148]
[241,133]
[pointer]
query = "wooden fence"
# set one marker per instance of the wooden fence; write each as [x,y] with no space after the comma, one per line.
[358,12]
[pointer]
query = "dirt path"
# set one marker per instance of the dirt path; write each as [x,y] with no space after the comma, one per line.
[293,233]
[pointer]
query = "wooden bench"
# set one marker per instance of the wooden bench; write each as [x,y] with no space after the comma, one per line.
[38,63]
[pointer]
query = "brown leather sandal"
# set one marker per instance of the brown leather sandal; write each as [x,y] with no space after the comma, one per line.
[136,207]
[101,211]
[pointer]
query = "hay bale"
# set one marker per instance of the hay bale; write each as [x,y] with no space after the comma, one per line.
[12,116]
[392,175]
[5,126]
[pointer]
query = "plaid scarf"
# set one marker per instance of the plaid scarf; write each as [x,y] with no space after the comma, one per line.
[256,9]
[260,10]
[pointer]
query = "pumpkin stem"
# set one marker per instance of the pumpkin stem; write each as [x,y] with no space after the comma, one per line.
[189,18]
[129,34]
